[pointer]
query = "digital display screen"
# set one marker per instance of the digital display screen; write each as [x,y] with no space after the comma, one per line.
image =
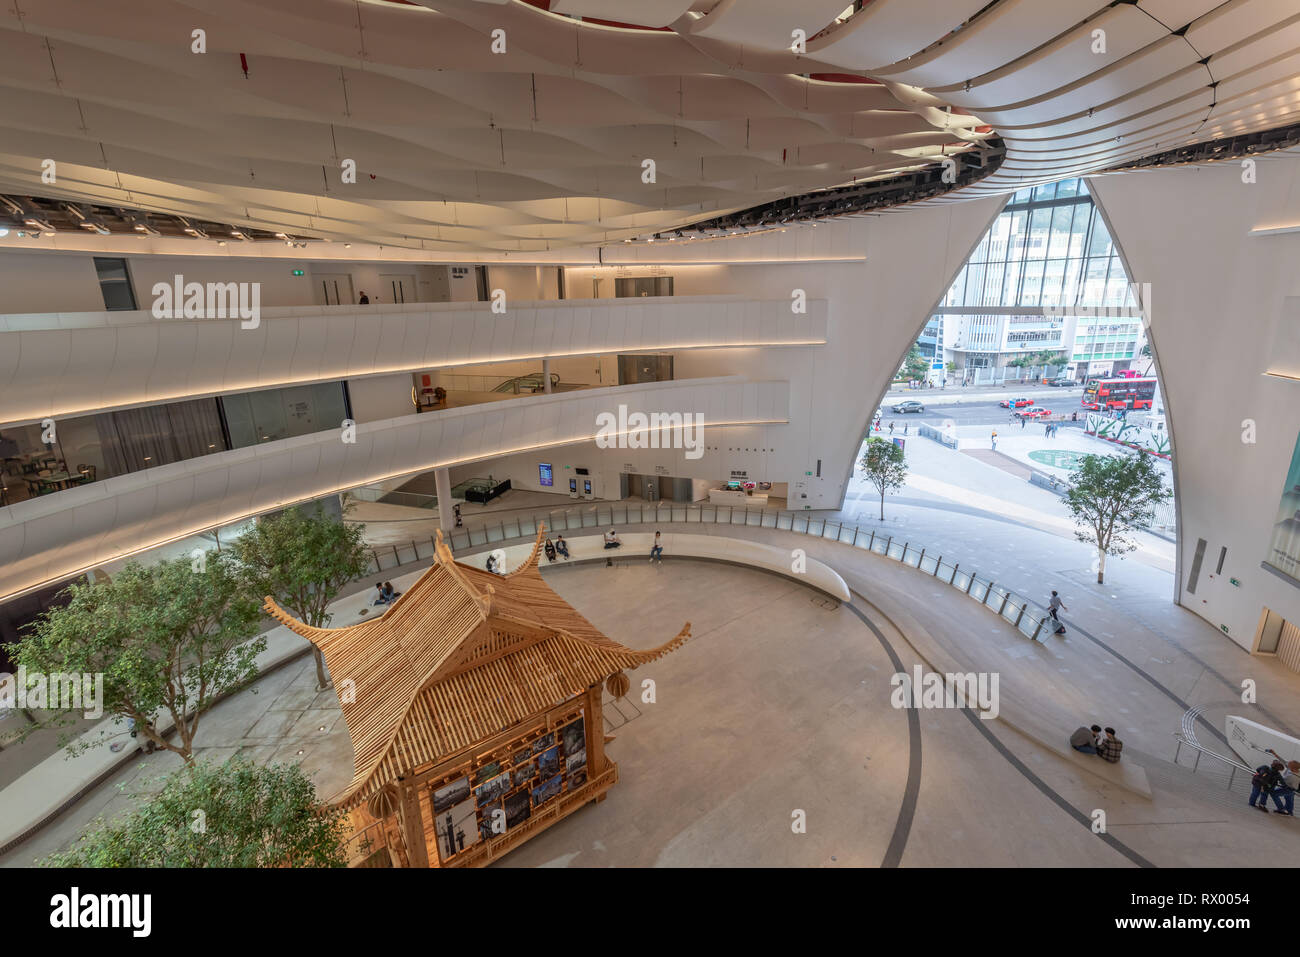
[544,476]
[586,487]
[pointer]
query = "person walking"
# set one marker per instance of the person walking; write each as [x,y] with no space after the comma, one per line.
[1023,420]
[994,440]
[1055,605]
[905,427]
[891,426]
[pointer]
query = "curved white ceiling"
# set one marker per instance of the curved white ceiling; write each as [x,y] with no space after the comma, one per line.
[542,146]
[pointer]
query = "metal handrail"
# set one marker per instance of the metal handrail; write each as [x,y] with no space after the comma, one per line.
[1199,749]
[1025,616]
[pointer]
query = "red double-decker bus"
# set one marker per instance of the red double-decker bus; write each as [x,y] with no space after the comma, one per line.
[1119,393]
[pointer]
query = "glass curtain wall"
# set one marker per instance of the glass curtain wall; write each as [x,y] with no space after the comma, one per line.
[94,447]
[135,439]
[1047,251]
[273,414]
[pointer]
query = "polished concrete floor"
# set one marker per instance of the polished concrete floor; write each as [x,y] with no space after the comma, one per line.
[780,704]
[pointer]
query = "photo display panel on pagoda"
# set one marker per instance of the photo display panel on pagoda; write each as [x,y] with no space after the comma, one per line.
[496,792]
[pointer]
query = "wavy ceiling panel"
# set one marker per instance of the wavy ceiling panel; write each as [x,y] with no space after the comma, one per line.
[544,145]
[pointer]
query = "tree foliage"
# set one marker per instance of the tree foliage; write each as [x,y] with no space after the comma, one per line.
[168,638]
[1109,497]
[915,365]
[235,814]
[303,560]
[1045,357]
[884,467]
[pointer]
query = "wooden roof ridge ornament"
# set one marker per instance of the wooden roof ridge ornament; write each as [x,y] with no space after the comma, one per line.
[535,555]
[442,552]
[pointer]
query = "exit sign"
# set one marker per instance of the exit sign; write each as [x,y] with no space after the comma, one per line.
[298,272]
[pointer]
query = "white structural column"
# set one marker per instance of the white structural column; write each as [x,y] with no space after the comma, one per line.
[442,488]
[1219,252]
[546,376]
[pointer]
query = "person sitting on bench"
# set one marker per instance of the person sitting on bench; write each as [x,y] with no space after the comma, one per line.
[611,540]
[562,547]
[549,549]
[1085,739]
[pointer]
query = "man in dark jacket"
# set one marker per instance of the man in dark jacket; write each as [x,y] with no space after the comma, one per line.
[1263,785]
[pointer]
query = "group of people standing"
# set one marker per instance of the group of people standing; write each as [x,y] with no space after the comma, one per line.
[1278,781]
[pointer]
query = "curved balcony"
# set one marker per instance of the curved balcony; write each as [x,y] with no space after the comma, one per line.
[61,364]
[47,539]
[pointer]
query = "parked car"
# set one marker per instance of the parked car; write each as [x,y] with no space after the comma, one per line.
[1015,403]
[911,405]
[1035,413]
[1063,381]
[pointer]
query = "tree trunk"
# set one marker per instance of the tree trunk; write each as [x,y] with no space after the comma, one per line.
[1101,567]
[321,681]
[882,506]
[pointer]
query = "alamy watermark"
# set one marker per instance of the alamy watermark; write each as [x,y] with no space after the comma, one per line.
[934,690]
[215,300]
[61,691]
[639,430]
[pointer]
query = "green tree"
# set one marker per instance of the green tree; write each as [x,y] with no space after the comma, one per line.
[303,561]
[915,365]
[168,638]
[1109,497]
[235,814]
[884,467]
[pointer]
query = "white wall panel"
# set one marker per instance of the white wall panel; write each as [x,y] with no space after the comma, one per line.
[133,359]
[1219,297]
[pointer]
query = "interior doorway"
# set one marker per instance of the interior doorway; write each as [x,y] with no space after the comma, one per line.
[639,286]
[398,288]
[644,368]
[1277,636]
[334,289]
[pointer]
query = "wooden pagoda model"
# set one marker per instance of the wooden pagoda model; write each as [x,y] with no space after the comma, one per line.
[474,708]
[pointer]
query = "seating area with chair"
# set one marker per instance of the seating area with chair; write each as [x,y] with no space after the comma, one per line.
[31,474]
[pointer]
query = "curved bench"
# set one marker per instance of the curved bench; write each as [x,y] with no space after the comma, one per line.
[636,546]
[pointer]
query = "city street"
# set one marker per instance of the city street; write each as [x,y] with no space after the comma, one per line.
[964,409]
